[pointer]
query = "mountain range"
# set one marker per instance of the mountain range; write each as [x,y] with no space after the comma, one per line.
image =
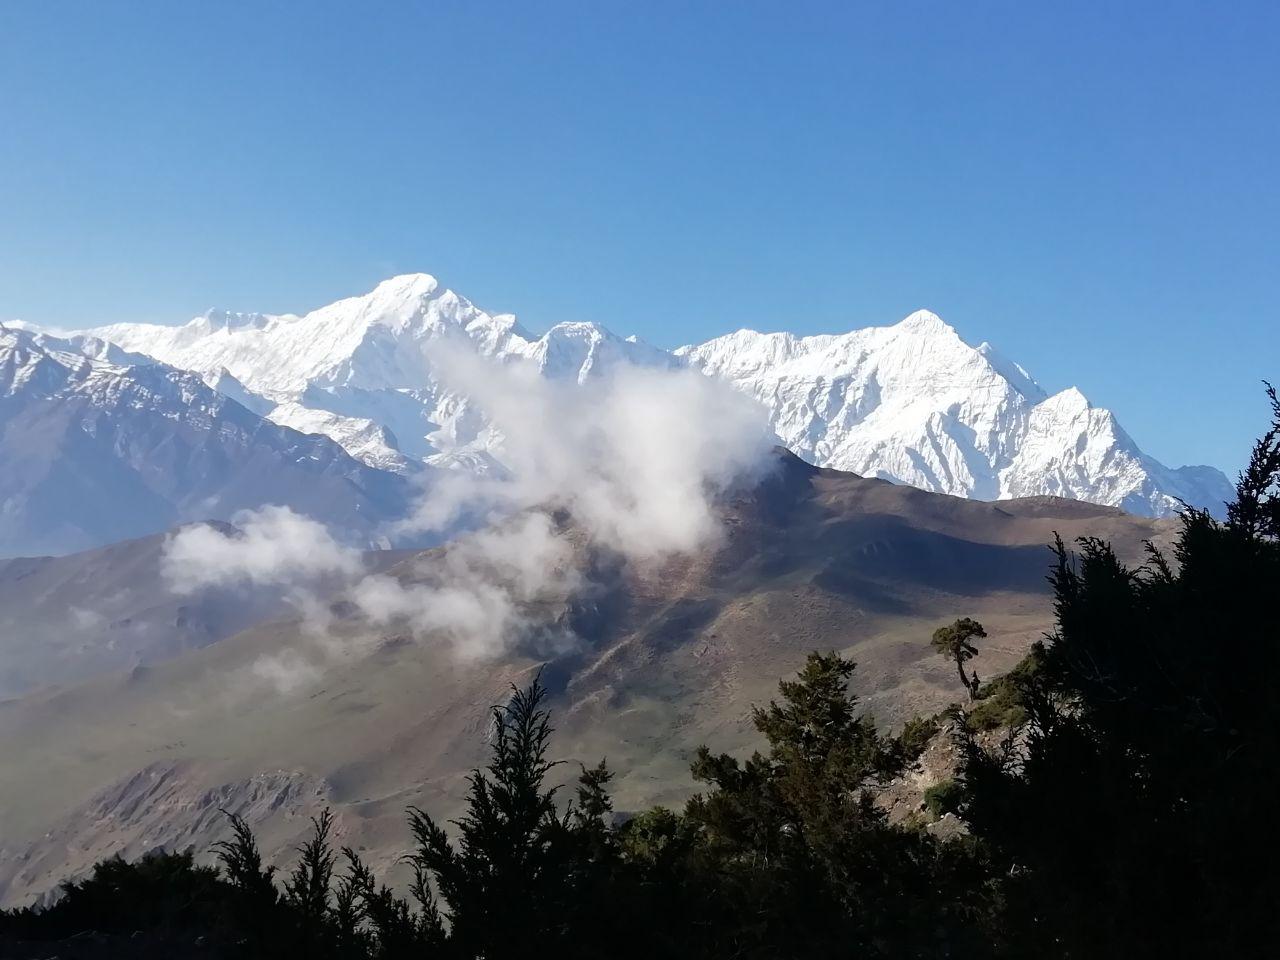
[124,430]
[134,708]
[97,446]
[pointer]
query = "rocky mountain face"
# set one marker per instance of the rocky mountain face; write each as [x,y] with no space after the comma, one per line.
[97,445]
[912,402]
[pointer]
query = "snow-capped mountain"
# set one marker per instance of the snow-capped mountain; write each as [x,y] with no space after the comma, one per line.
[915,404]
[94,449]
[372,372]
[910,402]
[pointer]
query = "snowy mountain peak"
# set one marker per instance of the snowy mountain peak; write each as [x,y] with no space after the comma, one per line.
[365,363]
[359,341]
[401,301]
[215,319]
[579,351]
[93,451]
[28,357]
[911,402]
[407,286]
[925,322]
[1071,398]
[914,403]
[18,359]
[1012,372]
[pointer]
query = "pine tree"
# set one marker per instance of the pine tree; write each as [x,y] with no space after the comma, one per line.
[307,890]
[394,931]
[256,911]
[804,862]
[1255,513]
[242,861]
[955,642]
[1126,814]
[350,938]
[507,883]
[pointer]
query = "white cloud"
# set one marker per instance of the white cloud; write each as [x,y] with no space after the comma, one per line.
[634,460]
[287,671]
[273,546]
[478,592]
[636,457]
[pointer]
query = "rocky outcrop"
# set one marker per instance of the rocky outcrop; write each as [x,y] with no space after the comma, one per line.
[163,806]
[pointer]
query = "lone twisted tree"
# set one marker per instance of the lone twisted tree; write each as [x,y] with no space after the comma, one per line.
[956,643]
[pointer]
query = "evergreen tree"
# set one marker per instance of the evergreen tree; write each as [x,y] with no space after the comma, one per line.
[256,900]
[382,924]
[805,856]
[955,642]
[351,939]
[1127,811]
[596,857]
[164,892]
[507,882]
[308,891]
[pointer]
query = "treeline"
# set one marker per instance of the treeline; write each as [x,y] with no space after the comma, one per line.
[1126,811]
[784,854]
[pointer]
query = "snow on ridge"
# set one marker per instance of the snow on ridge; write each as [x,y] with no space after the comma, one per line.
[911,401]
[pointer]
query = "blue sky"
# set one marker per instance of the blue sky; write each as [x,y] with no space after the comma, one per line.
[1092,187]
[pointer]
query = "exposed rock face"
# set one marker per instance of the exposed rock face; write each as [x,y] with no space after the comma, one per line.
[166,805]
[903,797]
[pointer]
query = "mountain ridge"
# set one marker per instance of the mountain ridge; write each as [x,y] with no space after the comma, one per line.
[911,402]
[644,662]
[95,451]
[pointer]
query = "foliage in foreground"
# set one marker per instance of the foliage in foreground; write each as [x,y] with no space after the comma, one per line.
[1130,811]
[781,855]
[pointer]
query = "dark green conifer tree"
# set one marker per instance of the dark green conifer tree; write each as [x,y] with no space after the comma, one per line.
[506,883]
[383,924]
[256,901]
[1129,812]
[955,642]
[806,864]
[308,889]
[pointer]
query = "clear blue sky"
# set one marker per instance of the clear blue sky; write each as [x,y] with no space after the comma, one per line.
[1095,188]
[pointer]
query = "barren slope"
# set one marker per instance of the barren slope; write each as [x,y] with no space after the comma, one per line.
[664,659]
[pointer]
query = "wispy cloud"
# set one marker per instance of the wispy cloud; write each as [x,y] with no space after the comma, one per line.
[634,461]
[273,546]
